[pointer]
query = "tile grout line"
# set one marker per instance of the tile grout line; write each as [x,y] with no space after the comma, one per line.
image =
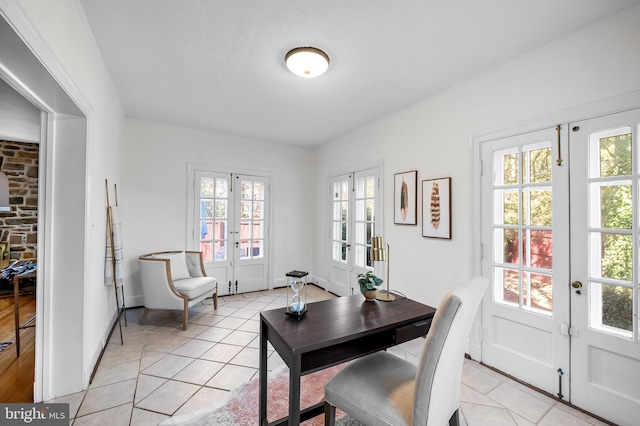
[236,313]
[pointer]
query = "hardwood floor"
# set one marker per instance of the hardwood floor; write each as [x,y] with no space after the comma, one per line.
[16,373]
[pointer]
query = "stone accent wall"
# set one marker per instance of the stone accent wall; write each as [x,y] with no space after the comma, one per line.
[19,161]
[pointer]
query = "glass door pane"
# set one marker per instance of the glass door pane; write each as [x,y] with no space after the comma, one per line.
[214,201]
[252,219]
[340,220]
[365,199]
[522,223]
[611,201]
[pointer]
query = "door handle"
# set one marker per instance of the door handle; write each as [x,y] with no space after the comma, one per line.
[577,285]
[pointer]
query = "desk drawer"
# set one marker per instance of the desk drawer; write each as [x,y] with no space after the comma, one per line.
[411,331]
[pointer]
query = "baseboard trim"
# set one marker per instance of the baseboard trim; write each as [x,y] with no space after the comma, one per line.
[104,347]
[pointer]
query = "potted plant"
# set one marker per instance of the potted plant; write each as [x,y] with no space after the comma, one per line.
[369,284]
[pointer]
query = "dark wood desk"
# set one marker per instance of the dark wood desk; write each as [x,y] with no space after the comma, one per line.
[332,332]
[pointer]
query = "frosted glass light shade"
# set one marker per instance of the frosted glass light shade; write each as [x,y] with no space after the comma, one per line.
[307,62]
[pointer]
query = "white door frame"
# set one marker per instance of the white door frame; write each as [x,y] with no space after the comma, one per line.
[62,365]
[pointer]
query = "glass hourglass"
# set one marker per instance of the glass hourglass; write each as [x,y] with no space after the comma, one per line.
[296,304]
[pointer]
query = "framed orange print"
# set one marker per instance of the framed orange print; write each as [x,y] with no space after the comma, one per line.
[436,208]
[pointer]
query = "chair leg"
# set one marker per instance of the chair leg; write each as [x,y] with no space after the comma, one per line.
[144,316]
[185,315]
[455,418]
[215,300]
[329,414]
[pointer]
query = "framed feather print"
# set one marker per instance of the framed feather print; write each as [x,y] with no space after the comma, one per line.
[405,199]
[436,208]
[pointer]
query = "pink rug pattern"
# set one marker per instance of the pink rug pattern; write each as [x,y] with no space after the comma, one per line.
[242,407]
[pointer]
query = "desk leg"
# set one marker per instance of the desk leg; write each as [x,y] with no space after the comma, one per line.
[16,309]
[294,390]
[262,374]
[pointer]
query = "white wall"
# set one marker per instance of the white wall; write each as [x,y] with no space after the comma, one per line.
[62,26]
[433,137]
[20,119]
[154,192]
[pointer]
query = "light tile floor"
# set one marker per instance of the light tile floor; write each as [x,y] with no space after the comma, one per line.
[163,371]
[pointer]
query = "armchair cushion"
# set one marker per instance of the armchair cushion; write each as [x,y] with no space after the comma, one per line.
[179,270]
[195,286]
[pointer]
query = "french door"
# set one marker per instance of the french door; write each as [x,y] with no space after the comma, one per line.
[354,218]
[563,310]
[525,245]
[231,229]
[605,347]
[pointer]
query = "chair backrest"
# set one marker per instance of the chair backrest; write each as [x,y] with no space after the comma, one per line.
[437,393]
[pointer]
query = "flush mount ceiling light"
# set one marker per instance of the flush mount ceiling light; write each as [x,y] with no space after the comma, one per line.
[307,62]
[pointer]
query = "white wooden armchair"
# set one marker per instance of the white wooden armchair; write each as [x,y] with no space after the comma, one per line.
[175,280]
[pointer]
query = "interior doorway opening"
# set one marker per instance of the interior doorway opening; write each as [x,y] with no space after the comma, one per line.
[60,364]
[19,161]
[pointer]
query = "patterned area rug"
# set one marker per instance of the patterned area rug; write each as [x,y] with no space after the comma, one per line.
[241,409]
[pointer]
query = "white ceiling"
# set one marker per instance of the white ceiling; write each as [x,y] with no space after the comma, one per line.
[219,64]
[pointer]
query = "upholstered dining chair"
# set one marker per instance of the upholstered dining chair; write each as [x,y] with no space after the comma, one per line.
[383,389]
